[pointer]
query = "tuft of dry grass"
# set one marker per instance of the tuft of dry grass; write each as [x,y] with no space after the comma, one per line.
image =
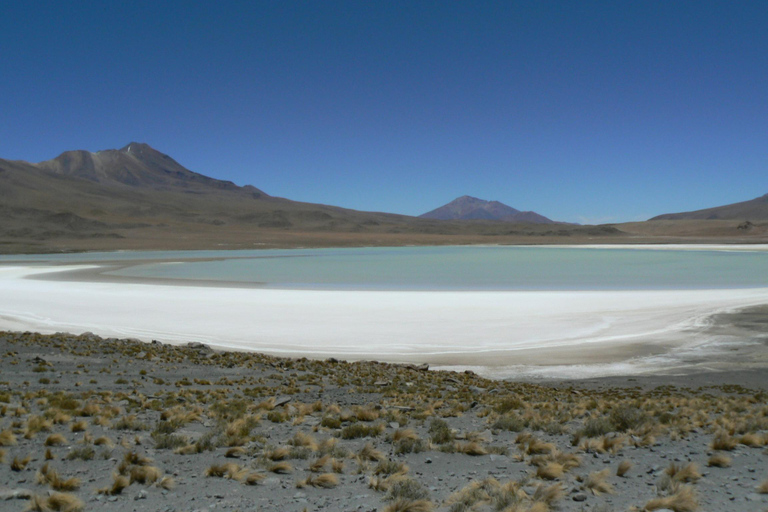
[596,482]
[79,426]
[319,465]
[406,505]
[763,487]
[404,434]
[228,470]
[254,478]
[719,460]
[472,448]
[145,474]
[324,481]
[55,440]
[538,447]
[368,452]
[752,440]
[167,483]
[281,468]
[304,440]
[57,501]
[235,452]
[49,476]
[7,438]
[684,500]
[686,474]
[723,442]
[103,441]
[20,464]
[624,467]
[277,454]
[550,471]
[119,483]
[547,496]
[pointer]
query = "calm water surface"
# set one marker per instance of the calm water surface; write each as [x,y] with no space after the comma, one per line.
[454,268]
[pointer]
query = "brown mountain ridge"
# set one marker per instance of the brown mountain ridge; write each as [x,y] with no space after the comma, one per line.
[752,210]
[139,198]
[472,208]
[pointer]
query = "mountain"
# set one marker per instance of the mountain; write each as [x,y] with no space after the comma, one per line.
[139,198]
[472,208]
[754,209]
[136,165]
[86,193]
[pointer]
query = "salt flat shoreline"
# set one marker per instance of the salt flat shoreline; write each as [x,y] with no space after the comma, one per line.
[553,335]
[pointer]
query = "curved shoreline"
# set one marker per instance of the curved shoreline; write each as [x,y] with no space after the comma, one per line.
[499,334]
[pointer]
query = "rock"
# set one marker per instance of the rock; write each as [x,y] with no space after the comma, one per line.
[486,436]
[382,383]
[15,494]
[196,345]
[579,497]
[282,400]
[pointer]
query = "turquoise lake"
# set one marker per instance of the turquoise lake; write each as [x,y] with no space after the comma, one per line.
[450,268]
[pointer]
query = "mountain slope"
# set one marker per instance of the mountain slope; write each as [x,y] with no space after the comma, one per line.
[754,209]
[139,198]
[472,208]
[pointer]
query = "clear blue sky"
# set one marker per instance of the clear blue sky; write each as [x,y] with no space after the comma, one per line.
[582,111]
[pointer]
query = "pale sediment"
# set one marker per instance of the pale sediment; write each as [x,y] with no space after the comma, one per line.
[499,334]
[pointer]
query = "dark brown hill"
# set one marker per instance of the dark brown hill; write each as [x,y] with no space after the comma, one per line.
[754,209]
[139,198]
[472,208]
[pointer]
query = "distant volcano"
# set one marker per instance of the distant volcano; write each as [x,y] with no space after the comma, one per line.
[472,208]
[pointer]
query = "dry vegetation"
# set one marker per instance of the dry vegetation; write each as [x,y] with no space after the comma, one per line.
[331,428]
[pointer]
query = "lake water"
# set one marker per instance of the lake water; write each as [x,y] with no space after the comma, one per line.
[454,268]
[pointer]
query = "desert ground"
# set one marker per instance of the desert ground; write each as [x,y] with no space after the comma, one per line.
[88,423]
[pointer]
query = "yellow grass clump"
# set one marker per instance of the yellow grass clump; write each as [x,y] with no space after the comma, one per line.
[281,468]
[684,500]
[723,441]
[278,454]
[473,448]
[324,481]
[119,483]
[368,452]
[624,467]
[20,464]
[686,474]
[58,502]
[319,465]
[55,440]
[145,474]
[719,460]
[254,478]
[7,438]
[404,434]
[550,471]
[49,476]
[596,482]
[406,505]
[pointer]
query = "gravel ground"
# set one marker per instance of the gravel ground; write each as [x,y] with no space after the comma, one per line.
[294,435]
